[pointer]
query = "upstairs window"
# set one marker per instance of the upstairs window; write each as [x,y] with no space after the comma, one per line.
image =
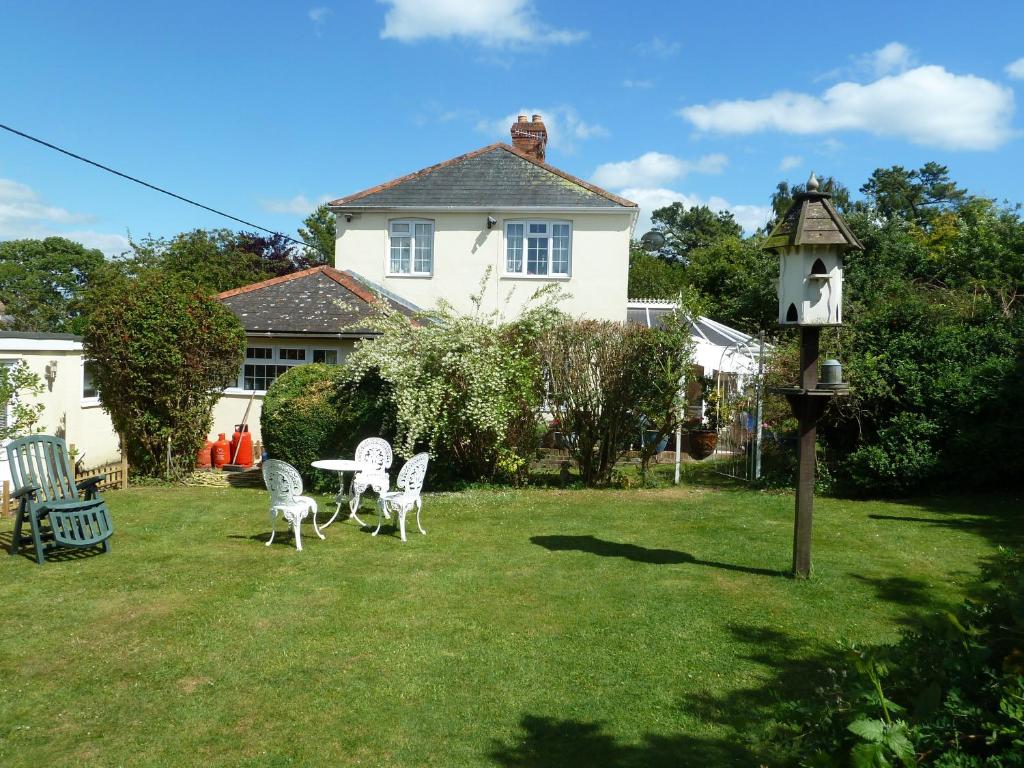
[538,248]
[411,250]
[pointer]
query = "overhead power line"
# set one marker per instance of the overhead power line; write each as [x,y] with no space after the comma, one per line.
[167,192]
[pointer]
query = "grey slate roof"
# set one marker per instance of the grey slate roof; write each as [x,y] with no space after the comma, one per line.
[320,301]
[496,176]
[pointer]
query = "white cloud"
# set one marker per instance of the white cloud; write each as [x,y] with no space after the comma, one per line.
[1015,69]
[20,203]
[24,215]
[750,217]
[639,84]
[890,58]
[659,48]
[653,169]
[926,105]
[789,162]
[318,16]
[564,124]
[299,205]
[493,24]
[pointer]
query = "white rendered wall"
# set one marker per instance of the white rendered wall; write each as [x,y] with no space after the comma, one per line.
[83,423]
[464,248]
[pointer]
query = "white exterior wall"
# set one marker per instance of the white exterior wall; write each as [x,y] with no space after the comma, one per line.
[83,423]
[230,409]
[464,248]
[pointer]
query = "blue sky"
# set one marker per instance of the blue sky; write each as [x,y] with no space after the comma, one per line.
[263,109]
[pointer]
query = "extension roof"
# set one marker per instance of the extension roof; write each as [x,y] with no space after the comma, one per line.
[496,176]
[321,301]
[812,220]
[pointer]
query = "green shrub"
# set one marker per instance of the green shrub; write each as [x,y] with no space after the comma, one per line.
[316,412]
[950,695]
[163,349]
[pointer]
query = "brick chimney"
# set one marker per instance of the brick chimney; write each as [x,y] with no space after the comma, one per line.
[530,137]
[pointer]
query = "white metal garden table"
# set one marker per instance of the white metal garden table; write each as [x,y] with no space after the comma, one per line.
[341,466]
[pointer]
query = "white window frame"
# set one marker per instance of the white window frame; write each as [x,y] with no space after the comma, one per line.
[412,224]
[523,272]
[309,350]
[88,402]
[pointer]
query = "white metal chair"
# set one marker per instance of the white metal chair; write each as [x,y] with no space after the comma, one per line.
[409,484]
[376,452]
[285,486]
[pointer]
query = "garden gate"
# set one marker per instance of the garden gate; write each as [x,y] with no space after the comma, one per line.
[740,403]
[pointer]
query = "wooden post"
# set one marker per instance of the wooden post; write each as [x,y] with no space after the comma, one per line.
[7,497]
[808,416]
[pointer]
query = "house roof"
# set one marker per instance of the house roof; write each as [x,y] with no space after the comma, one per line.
[651,314]
[812,220]
[320,301]
[496,176]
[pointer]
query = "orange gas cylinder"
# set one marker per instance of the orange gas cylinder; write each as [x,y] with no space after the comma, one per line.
[221,451]
[241,446]
[203,458]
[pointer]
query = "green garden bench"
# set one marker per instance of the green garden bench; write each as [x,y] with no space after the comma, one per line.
[44,485]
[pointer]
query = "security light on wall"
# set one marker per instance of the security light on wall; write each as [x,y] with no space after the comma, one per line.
[491,221]
[51,373]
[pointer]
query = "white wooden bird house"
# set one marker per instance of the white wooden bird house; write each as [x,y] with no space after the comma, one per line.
[810,240]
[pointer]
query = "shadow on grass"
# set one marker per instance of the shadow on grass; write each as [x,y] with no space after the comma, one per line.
[912,593]
[994,522]
[549,742]
[595,546]
[52,554]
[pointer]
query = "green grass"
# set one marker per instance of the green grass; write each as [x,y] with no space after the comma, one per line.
[529,628]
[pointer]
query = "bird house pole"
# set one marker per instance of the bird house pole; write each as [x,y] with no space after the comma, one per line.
[810,238]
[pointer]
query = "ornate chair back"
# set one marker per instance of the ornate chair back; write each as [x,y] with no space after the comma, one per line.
[376,452]
[282,480]
[410,478]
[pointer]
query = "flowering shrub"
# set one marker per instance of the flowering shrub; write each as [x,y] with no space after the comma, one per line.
[466,387]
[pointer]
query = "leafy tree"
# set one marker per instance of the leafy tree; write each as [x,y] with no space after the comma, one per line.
[652,277]
[19,384]
[915,195]
[163,350]
[42,282]
[686,229]
[318,233]
[736,277]
[218,259]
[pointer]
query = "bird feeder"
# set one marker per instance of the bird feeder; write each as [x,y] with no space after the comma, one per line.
[810,239]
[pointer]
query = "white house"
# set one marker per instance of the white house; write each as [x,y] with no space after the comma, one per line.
[435,233]
[72,408]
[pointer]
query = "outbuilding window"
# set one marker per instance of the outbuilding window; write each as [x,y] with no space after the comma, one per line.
[538,248]
[411,247]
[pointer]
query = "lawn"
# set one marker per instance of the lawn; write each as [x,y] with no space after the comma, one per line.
[528,628]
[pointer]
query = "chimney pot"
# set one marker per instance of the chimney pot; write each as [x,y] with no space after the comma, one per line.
[531,137]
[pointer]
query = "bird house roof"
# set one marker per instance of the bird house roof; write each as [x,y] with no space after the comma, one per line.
[812,220]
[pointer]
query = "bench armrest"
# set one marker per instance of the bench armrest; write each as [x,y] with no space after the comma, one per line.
[25,490]
[89,485]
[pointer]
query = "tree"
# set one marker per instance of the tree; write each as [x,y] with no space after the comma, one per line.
[688,228]
[42,282]
[19,383]
[163,350]
[736,278]
[218,259]
[319,234]
[914,196]
[652,277]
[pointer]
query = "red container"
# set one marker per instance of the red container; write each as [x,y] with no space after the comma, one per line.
[221,451]
[241,446]
[204,457]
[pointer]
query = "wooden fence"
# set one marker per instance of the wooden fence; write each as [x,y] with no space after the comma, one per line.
[116,473]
